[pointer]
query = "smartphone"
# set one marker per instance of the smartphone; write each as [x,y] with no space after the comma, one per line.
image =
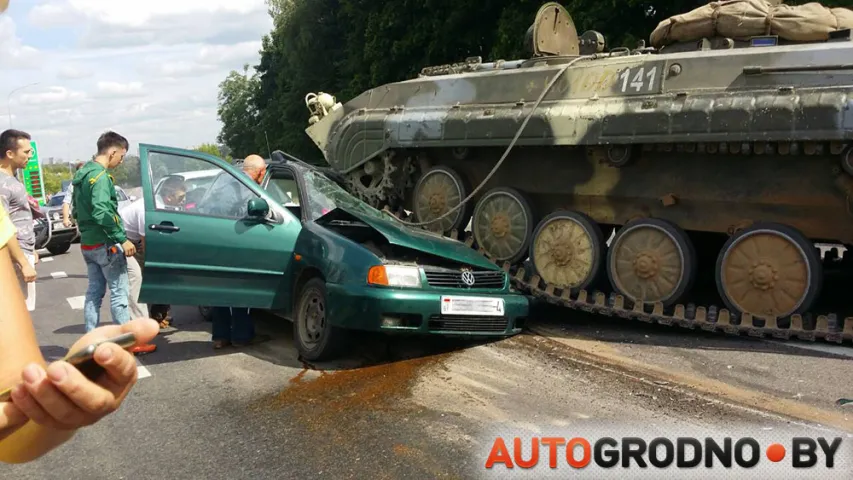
[84,359]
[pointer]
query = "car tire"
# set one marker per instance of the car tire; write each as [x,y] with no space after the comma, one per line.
[316,339]
[58,248]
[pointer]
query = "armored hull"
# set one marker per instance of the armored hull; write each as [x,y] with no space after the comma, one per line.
[719,163]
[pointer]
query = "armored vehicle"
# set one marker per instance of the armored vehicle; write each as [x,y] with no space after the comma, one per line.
[717,157]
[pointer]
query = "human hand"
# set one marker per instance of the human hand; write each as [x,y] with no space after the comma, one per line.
[129,248]
[66,222]
[62,398]
[28,272]
[11,417]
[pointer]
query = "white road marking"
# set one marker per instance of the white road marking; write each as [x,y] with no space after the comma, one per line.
[48,259]
[76,302]
[833,349]
[59,275]
[142,371]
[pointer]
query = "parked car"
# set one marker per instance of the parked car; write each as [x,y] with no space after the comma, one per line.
[57,237]
[308,251]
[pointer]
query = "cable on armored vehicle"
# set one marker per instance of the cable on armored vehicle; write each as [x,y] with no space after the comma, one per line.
[511,144]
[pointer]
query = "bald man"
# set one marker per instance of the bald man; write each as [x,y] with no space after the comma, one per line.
[230,198]
[234,326]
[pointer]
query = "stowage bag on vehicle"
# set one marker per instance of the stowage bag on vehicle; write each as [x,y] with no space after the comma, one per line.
[740,19]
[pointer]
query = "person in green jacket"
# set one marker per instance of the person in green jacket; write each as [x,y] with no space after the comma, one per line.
[103,241]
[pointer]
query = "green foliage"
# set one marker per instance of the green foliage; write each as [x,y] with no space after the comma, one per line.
[345,47]
[54,175]
[129,173]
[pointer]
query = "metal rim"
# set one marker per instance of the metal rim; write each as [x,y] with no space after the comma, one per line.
[564,252]
[502,224]
[437,192]
[763,262]
[312,318]
[648,263]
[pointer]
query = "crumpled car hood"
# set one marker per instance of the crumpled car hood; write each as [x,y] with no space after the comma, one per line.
[420,240]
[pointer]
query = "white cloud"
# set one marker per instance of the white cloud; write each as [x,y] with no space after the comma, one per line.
[13,53]
[74,72]
[148,69]
[120,90]
[111,23]
[51,96]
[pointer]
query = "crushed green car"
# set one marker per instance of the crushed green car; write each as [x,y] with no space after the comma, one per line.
[302,247]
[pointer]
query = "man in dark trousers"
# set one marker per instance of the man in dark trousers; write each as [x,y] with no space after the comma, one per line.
[234,326]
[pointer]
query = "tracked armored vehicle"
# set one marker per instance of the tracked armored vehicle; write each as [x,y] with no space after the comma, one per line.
[716,158]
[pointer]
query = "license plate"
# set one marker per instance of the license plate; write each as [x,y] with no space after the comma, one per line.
[58,226]
[485,306]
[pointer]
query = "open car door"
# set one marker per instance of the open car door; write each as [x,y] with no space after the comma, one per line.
[219,243]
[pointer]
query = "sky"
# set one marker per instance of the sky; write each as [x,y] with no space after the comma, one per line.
[147,69]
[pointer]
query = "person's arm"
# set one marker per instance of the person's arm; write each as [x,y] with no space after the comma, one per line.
[66,206]
[17,254]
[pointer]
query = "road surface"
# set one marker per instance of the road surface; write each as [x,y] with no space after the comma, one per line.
[420,408]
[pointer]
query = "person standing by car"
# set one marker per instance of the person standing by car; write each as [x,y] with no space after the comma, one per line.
[103,240]
[172,194]
[16,152]
[66,200]
[234,326]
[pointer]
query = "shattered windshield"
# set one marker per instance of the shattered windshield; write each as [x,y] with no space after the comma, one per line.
[324,195]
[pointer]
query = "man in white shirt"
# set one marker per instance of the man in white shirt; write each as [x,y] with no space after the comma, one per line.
[172,194]
[66,200]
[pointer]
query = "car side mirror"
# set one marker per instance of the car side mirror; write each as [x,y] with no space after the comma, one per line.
[258,208]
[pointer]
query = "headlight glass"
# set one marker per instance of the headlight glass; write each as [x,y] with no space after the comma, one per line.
[395,276]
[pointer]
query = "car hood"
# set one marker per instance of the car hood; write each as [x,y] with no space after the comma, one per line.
[420,240]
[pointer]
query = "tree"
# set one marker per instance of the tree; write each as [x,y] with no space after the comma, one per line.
[237,112]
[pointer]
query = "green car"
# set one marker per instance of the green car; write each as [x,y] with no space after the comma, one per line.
[302,247]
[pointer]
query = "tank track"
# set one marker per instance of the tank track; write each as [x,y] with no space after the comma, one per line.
[710,318]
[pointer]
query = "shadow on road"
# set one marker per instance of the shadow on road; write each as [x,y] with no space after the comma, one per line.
[188,338]
[581,325]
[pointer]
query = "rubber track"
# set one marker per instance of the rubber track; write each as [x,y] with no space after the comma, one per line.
[709,318]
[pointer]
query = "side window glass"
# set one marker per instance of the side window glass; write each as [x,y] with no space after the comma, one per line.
[197,186]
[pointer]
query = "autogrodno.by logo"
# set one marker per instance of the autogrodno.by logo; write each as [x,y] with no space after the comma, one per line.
[683,452]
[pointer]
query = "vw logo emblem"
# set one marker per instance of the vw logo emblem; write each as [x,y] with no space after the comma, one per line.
[468,278]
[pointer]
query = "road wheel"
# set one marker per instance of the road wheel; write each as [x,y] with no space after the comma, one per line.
[503,224]
[439,190]
[567,250]
[316,338]
[651,260]
[769,269]
[58,248]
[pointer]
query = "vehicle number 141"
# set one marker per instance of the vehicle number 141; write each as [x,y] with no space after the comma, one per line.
[638,80]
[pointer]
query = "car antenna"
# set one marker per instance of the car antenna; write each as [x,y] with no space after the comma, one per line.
[269,150]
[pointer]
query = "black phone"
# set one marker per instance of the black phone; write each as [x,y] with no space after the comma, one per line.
[84,359]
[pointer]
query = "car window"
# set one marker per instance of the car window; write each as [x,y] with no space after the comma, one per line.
[55,200]
[223,195]
[324,195]
[285,190]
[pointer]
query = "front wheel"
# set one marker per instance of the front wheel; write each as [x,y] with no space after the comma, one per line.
[316,339]
[58,248]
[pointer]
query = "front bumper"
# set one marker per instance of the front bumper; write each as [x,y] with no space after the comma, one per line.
[418,311]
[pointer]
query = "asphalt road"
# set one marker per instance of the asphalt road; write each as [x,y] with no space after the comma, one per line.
[423,408]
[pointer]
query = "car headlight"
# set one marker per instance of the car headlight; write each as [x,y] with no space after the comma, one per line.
[394,276]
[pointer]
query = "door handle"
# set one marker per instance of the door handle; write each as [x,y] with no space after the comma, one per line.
[164,227]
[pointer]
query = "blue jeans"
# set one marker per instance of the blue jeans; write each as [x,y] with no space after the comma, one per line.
[232,324]
[105,269]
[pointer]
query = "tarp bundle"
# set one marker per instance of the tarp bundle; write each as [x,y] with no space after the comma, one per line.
[747,18]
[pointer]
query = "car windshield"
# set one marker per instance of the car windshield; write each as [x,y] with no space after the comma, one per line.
[324,195]
[55,201]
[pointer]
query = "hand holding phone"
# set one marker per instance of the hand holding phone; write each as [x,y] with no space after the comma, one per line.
[91,382]
[84,359]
